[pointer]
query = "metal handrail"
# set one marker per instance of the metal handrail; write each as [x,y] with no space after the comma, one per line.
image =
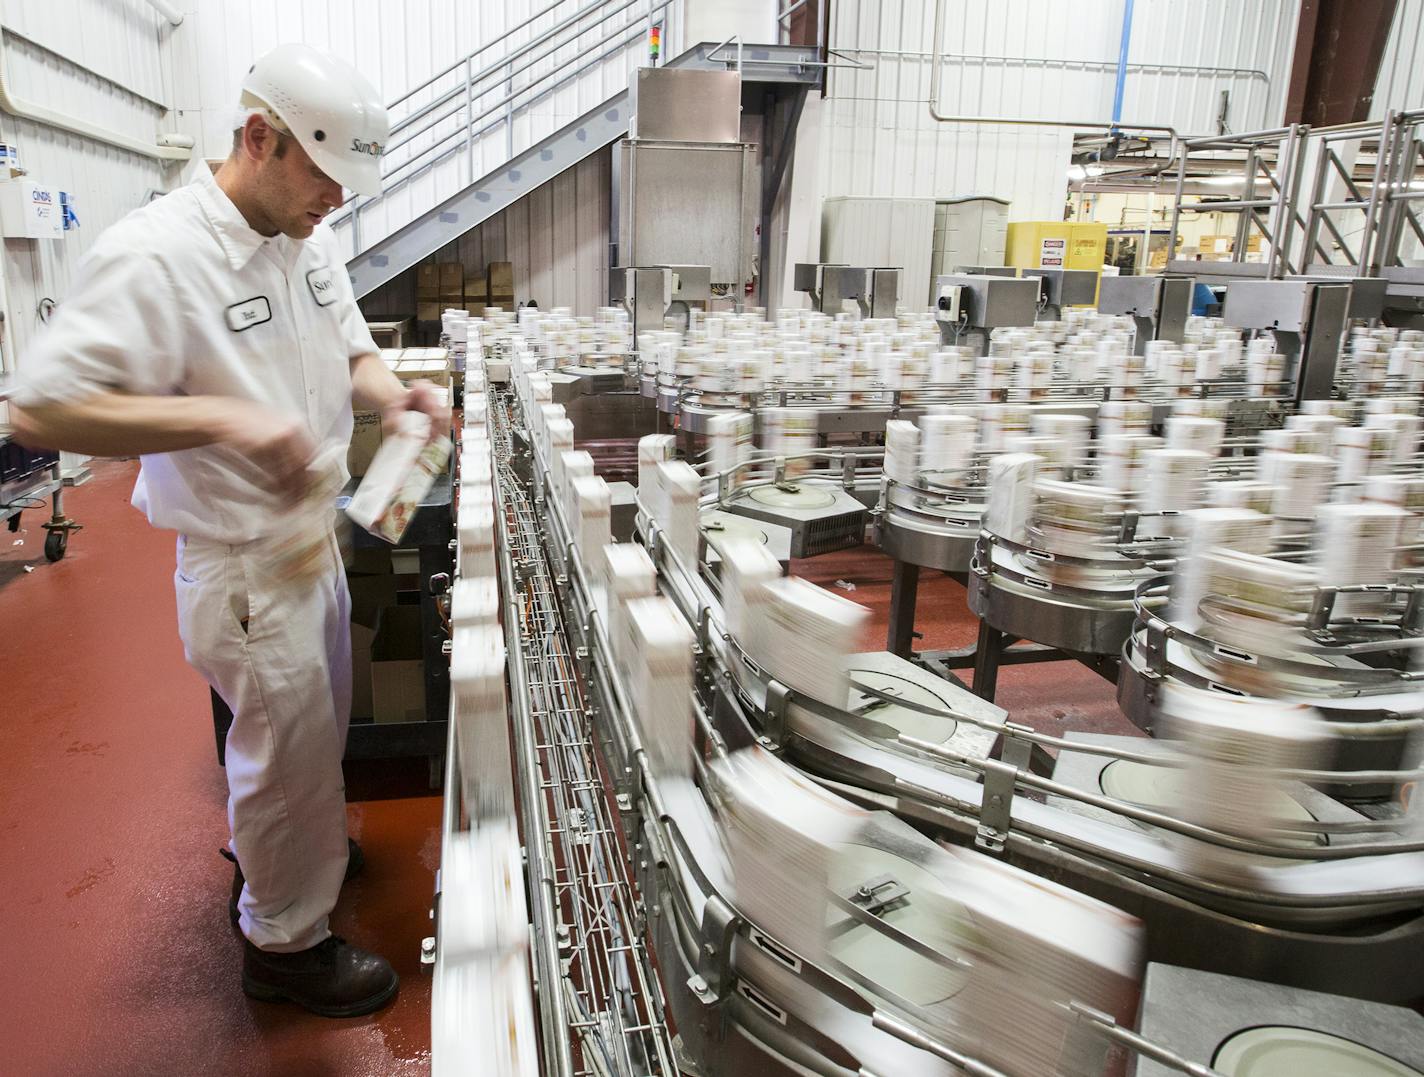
[465,91]
[507,68]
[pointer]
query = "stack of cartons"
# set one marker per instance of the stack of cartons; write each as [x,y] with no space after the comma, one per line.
[501,285]
[438,285]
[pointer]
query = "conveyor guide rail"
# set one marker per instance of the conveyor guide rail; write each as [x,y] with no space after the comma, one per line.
[613,1003]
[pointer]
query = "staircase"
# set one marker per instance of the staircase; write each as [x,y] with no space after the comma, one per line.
[478,136]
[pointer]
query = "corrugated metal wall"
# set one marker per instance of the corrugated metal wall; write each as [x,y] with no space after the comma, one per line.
[121,43]
[1054,59]
[1400,84]
[556,237]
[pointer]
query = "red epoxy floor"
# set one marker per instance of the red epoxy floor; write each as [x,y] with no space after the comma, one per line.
[118,956]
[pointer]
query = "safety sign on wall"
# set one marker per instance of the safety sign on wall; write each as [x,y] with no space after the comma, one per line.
[1051,253]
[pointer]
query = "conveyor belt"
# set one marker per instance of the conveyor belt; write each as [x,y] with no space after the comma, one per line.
[609,1018]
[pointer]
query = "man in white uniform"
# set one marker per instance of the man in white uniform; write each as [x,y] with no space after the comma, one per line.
[214,331]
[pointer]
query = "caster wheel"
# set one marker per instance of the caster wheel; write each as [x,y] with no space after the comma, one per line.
[55,544]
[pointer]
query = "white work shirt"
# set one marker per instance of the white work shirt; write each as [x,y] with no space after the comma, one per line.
[183,298]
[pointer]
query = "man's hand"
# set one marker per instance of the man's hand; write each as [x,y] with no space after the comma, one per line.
[424,398]
[280,446]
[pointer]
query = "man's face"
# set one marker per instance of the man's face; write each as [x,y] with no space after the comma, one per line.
[295,193]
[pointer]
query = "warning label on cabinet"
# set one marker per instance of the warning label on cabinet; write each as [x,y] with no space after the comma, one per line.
[1051,252]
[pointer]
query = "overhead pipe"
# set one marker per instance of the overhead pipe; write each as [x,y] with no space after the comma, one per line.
[1018,121]
[170,147]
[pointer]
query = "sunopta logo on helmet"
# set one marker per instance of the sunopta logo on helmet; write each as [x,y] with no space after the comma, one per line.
[360,146]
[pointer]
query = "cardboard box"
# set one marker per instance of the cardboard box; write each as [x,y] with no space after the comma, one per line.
[365,440]
[427,281]
[370,595]
[476,291]
[429,310]
[398,667]
[362,637]
[452,278]
[501,278]
[369,562]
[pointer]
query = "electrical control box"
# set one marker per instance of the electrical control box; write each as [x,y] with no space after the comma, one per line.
[30,210]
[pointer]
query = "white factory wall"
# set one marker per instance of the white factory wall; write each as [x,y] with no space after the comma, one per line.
[399,44]
[1400,83]
[103,63]
[1050,59]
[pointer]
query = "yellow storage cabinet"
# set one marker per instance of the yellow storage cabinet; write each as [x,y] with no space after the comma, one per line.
[1057,245]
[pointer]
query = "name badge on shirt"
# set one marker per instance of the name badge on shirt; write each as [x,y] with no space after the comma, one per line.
[323,286]
[249,312]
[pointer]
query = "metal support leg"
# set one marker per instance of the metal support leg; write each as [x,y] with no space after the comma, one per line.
[904,587]
[986,660]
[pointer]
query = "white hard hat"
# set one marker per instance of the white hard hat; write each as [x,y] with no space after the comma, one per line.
[328,106]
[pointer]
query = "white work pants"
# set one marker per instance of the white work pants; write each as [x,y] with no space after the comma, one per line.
[279,654]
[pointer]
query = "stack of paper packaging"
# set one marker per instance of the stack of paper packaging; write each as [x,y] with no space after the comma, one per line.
[558,439]
[1075,518]
[746,566]
[482,1016]
[1032,946]
[1265,368]
[654,653]
[475,533]
[1122,461]
[787,432]
[1174,481]
[1124,417]
[782,833]
[628,573]
[1235,749]
[947,443]
[474,601]
[1301,481]
[999,422]
[902,451]
[801,635]
[1209,530]
[1072,430]
[679,489]
[568,466]
[1341,409]
[1052,453]
[1190,432]
[1404,492]
[653,449]
[1362,451]
[729,442]
[1404,428]
[1010,500]
[481,723]
[591,520]
[1358,544]
[1241,494]
[1027,946]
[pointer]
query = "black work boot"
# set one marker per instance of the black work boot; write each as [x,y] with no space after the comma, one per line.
[355,861]
[332,979]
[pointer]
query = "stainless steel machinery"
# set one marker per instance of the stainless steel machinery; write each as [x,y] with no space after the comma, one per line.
[1159,305]
[653,294]
[871,292]
[1307,319]
[969,306]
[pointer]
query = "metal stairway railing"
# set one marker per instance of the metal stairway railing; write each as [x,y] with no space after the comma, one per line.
[460,117]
